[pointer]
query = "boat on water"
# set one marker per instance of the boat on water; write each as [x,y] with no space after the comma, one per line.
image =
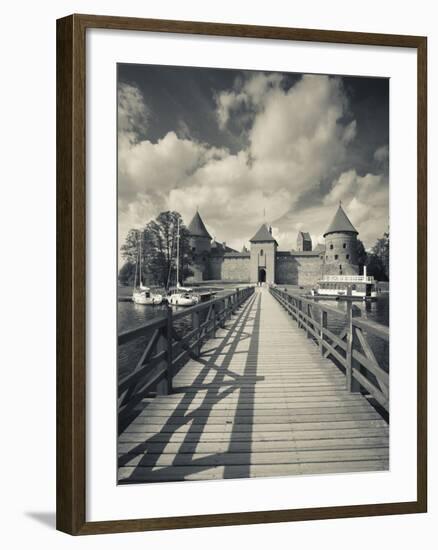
[142,294]
[363,287]
[183,296]
[145,297]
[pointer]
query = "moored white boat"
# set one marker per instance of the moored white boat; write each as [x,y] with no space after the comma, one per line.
[183,296]
[142,294]
[145,297]
[363,287]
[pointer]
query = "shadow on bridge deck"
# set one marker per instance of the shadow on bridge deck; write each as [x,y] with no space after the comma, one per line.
[259,401]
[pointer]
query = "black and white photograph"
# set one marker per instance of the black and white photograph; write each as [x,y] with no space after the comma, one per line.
[253,274]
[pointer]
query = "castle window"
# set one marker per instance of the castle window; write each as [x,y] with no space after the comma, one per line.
[261,252]
[344,245]
[347,256]
[193,248]
[326,257]
[331,247]
[336,256]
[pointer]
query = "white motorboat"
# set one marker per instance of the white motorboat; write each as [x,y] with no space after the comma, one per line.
[363,287]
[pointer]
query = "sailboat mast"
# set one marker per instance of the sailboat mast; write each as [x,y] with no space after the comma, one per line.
[136,266]
[140,257]
[177,254]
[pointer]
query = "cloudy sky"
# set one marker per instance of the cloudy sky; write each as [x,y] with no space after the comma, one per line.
[236,143]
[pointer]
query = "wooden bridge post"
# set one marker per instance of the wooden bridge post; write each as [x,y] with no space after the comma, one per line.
[162,387]
[237,299]
[226,308]
[323,326]
[352,384]
[221,313]
[213,319]
[195,326]
[169,331]
[308,311]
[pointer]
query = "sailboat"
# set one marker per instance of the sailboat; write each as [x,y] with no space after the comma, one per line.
[181,295]
[142,294]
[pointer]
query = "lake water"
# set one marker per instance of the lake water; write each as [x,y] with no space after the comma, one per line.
[377,311]
[132,315]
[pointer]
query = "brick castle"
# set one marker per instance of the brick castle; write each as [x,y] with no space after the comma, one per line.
[302,266]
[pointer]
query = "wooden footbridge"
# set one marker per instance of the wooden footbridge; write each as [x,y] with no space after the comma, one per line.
[254,385]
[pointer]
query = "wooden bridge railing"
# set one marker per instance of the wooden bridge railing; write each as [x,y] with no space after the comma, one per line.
[351,348]
[167,348]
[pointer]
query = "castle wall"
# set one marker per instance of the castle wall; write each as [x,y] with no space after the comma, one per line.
[199,269]
[287,270]
[309,270]
[294,268]
[298,270]
[236,269]
[215,268]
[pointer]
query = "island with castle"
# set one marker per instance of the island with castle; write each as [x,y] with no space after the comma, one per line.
[265,263]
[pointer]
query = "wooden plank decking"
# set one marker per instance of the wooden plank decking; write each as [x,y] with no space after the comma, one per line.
[259,401]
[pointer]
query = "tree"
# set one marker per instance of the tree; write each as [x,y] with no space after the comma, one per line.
[376,268]
[381,251]
[361,255]
[159,249]
[127,274]
[129,248]
[129,251]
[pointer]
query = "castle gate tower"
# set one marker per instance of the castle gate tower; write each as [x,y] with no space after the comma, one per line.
[340,246]
[200,244]
[263,256]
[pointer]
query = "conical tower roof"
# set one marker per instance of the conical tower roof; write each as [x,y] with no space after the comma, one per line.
[263,235]
[340,223]
[197,228]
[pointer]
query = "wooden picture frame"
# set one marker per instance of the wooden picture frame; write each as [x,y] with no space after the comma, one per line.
[71,273]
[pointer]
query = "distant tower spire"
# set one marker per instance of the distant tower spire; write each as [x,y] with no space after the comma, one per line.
[264,215]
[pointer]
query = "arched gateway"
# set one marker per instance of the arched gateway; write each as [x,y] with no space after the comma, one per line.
[263,256]
[262,275]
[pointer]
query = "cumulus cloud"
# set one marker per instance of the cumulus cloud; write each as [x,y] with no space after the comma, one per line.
[299,137]
[296,138]
[248,94]
[371,189]
[149,172]
[366,200]
[382,153]
[132,113]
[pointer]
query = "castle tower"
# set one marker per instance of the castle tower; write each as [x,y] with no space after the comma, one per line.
[340,246]
[200,244]
[304,242]
[263,256]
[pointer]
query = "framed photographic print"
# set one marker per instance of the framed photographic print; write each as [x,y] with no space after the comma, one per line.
[241,274]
